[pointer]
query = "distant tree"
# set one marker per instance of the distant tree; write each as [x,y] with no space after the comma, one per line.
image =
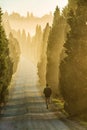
[14,50]
[28,38]
[6,66]
[18,35]
[36,44]
[31,16]
[43,59]
[38,32]
[23,37]
[15,16]
[28,45]
[23,42]
[28,15]
[73,69]
[54,48]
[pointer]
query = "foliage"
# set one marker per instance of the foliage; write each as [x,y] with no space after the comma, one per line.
[54,48]
[14,50]
[73,69]
[6,66]
[36,44]
[43,59]
[72,5]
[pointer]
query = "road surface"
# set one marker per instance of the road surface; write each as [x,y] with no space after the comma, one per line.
[26,109]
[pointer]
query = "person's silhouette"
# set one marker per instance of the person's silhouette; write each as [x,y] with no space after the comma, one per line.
[47,92]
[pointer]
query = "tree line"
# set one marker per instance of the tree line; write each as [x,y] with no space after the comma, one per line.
[7,61]
[60,52]
[63,63]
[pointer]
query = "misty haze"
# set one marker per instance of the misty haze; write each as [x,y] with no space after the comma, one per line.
[43,65]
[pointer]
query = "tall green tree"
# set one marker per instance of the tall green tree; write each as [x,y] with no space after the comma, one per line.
[14,50]
[6,66]
[54,48]
[73,69]
[43,59]
[36,44]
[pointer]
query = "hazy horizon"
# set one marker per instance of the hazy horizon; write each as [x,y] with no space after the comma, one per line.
[38,9]
[30,14]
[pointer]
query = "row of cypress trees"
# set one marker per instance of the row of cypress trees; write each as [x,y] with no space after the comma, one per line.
[55,45]
[43,56]
[73,68]
[6,65]
[67,57]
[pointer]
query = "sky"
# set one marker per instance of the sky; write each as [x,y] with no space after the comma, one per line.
[37,7]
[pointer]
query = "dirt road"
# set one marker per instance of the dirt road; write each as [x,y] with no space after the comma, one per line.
[26,109]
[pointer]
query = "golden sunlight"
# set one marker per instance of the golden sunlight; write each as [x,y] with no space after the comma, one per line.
[37,7]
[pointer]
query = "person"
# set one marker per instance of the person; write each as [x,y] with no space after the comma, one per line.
[47,92]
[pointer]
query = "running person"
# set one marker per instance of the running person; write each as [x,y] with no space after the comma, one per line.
[47,92]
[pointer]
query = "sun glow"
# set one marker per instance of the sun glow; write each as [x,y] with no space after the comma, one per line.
[37,7]
[62,3]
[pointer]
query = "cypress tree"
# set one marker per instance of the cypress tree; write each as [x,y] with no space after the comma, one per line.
[6,65]
[54,48]
[73,69]
[14,50]
[43,60]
